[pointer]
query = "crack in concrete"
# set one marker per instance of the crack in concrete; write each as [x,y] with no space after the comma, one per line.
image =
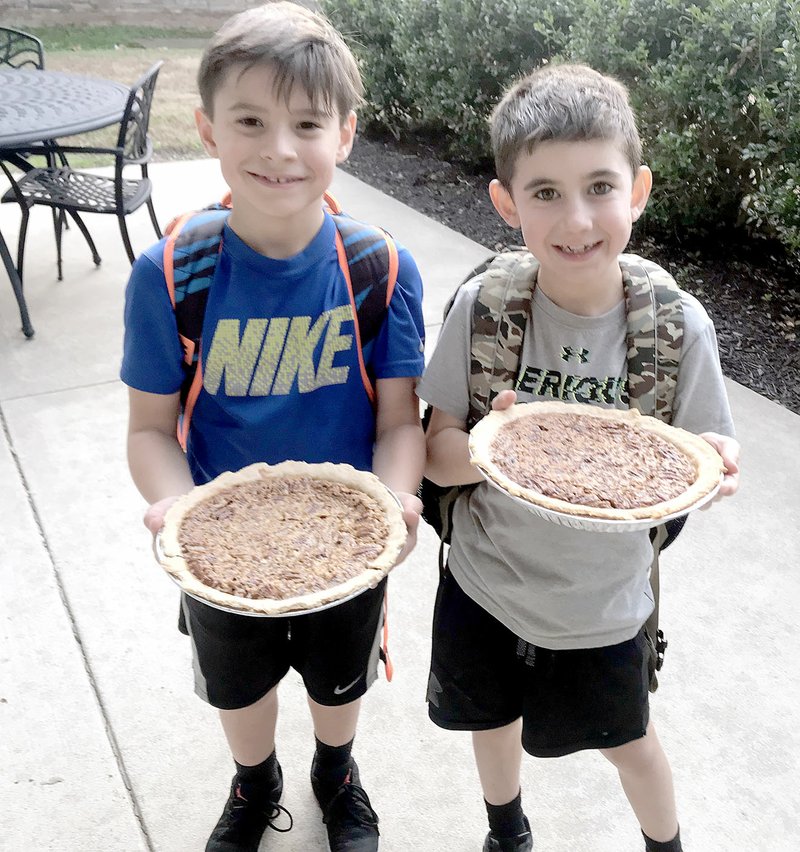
[62,592]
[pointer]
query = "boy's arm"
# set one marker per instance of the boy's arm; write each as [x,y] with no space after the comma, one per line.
[448,453]
[399,455]
[701,400]
[448,446]
[155,459]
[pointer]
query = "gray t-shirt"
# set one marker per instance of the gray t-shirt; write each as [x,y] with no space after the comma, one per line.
[552,585]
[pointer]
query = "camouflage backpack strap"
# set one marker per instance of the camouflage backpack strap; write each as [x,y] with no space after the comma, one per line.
[654,337]
[499,316]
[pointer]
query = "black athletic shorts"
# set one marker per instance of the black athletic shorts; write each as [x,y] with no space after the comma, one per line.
[484,677]
[238,659]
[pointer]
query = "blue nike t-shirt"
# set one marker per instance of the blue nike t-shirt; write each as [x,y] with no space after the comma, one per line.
[281,377]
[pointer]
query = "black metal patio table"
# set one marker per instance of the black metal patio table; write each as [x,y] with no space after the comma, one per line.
[37,106]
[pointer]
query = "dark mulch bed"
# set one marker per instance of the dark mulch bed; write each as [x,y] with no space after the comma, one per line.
[751,292]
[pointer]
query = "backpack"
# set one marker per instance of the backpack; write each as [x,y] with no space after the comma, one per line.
[367,258]
[499,317]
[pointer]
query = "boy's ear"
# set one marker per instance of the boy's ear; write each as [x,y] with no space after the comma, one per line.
[642,184]
[205,130]
[347,135]
[504,203]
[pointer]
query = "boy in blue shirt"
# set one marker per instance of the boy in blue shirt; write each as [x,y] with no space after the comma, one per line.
[538,638]
[278,89]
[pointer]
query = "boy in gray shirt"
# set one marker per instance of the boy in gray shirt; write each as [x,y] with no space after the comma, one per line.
[539,628]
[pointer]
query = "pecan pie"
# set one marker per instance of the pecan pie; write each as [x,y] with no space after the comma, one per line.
[594,463]
[276,539]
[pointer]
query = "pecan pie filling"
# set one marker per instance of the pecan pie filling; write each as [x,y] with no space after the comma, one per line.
[281,537]
[590,462]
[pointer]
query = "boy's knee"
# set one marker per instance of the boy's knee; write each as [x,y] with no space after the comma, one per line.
[637,755]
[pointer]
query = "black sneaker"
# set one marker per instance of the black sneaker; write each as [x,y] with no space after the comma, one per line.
[243,822]
[521,843]
[347,813]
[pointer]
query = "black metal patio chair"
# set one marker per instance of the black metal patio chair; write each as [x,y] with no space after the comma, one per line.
[67,189]
[20,50]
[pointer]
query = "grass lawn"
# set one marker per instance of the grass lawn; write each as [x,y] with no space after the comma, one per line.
[124,54]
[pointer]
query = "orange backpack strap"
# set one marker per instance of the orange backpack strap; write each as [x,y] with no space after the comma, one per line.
[190,257]
[387,660]
[330,203]
[367,257]
[369,262]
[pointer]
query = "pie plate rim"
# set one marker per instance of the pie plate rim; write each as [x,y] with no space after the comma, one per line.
[608,525]
[160,555]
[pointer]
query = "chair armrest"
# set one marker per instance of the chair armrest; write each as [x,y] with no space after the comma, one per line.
[11,151]
[145,158]
[43,150]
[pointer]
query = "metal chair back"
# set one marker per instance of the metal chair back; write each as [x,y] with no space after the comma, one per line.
[133,136]
[20,50]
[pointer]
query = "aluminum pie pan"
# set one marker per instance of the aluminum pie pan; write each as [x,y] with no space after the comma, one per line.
[159,554]
[600,524]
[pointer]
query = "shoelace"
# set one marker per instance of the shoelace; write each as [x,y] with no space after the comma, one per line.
[353,800]
[239,804]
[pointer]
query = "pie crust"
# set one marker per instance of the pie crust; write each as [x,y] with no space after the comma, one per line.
[600,458]
[226,534]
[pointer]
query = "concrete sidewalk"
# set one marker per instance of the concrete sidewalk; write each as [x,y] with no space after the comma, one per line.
[105,748]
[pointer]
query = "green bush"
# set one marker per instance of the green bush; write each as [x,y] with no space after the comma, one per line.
[714,84]
[439,66]
[463,54]
[371,29]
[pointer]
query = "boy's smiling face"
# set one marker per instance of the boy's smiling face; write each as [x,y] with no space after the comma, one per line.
[278,157]
[575,203]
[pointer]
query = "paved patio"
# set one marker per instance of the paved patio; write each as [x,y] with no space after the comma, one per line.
[105,748]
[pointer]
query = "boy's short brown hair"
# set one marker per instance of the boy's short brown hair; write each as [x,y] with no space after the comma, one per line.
[566,103]
[297,44]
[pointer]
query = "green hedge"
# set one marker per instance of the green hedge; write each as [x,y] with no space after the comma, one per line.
[714,84]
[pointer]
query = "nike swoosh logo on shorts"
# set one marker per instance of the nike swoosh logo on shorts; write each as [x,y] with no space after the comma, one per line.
[338,690]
